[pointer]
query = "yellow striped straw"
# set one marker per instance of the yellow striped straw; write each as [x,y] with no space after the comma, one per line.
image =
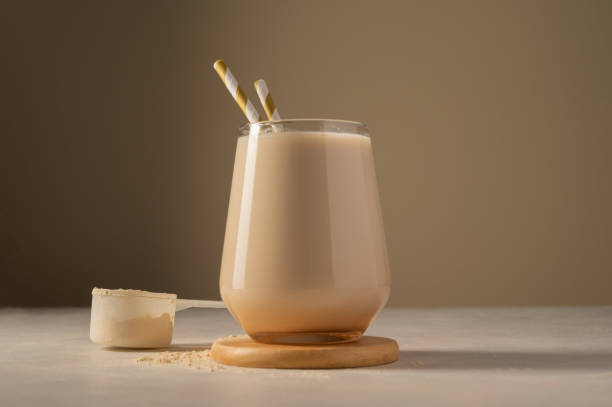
[266,100]
[236,91]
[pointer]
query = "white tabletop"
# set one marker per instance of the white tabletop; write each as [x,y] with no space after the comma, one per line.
[465,357]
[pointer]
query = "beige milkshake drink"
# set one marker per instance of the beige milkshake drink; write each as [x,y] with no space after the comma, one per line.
[304,258]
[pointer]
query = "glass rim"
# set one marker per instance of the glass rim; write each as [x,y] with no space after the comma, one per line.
[263,123]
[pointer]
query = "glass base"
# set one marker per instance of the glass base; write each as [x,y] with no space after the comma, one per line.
[307,338]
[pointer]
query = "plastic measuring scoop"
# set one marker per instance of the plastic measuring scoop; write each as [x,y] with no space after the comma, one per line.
[135,318]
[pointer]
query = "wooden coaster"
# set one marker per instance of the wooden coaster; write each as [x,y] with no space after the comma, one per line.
[243,351]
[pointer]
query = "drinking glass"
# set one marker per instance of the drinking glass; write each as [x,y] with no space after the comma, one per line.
[304,258]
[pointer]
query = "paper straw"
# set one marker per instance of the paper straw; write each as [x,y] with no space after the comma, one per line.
[236,91]
[266,100]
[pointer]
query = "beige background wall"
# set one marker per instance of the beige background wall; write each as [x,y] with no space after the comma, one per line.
[491,123]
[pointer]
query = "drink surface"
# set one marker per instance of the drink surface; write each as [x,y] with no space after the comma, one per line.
[304,246]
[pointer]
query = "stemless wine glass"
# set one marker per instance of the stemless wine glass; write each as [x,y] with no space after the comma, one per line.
[304,258]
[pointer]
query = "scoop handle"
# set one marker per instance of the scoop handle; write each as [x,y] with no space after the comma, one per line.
[184,304]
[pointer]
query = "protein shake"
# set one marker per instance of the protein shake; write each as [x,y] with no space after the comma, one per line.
[304,258]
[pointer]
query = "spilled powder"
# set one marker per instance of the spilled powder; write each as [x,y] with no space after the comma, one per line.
[195,359]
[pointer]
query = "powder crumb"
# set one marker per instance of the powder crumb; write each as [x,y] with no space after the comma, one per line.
[227,337]
[145,359]
[195,359]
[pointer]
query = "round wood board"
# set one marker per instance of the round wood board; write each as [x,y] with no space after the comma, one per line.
[243,351]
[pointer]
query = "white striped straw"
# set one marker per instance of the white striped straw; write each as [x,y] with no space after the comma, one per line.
[266,100]
[236,91]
